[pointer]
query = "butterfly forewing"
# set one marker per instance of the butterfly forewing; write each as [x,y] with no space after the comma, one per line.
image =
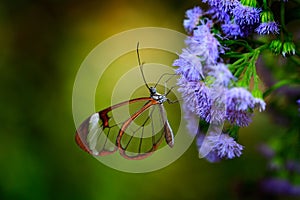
[101,140]
[95,136]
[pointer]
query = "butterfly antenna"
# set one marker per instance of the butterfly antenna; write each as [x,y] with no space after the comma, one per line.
[163,75]
[141,65]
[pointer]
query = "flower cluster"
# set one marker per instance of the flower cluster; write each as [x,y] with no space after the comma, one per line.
[276,186]
[225,72]
[214,89]
[241,18]
[221,146]
[279,185]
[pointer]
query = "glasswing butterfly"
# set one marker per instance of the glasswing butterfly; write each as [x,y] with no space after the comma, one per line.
[137,136]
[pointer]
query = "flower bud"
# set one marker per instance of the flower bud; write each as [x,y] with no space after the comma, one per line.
[266,16]
[250,3]
[289,48]
[276,46]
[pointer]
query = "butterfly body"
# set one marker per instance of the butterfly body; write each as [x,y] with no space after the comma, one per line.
[157,96]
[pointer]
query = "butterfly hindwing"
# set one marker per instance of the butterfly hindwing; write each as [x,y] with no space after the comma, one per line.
[142,133]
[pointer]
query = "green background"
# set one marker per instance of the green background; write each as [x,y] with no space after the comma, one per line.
[42,46]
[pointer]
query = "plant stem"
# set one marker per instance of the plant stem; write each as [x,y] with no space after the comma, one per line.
[279,85]
[282,18]
[265,4]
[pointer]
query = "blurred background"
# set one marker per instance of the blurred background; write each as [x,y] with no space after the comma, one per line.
[42,46]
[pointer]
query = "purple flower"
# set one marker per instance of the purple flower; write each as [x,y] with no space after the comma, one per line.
[204,102]
[187,90]
[224,5]
[238,104]
[260,104]
[193,16]
[239,98]
[196,97]
[189,65]
[224,145]
[217,109]
[218,14]
[209,107]
[293,166]
[246,15]
[238,117]
[266,151]
[232,30]
[192,121]
[222,75]
[267,28]
[277,186]
[247,29]
[212,156]
[204,44]
[298,101]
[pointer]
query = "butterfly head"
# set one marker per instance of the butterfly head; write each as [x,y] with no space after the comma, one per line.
[152,90]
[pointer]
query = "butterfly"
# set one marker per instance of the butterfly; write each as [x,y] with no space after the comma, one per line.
[136,135]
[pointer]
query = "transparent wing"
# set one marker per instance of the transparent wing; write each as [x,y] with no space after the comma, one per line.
[143,133]
[135,127]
